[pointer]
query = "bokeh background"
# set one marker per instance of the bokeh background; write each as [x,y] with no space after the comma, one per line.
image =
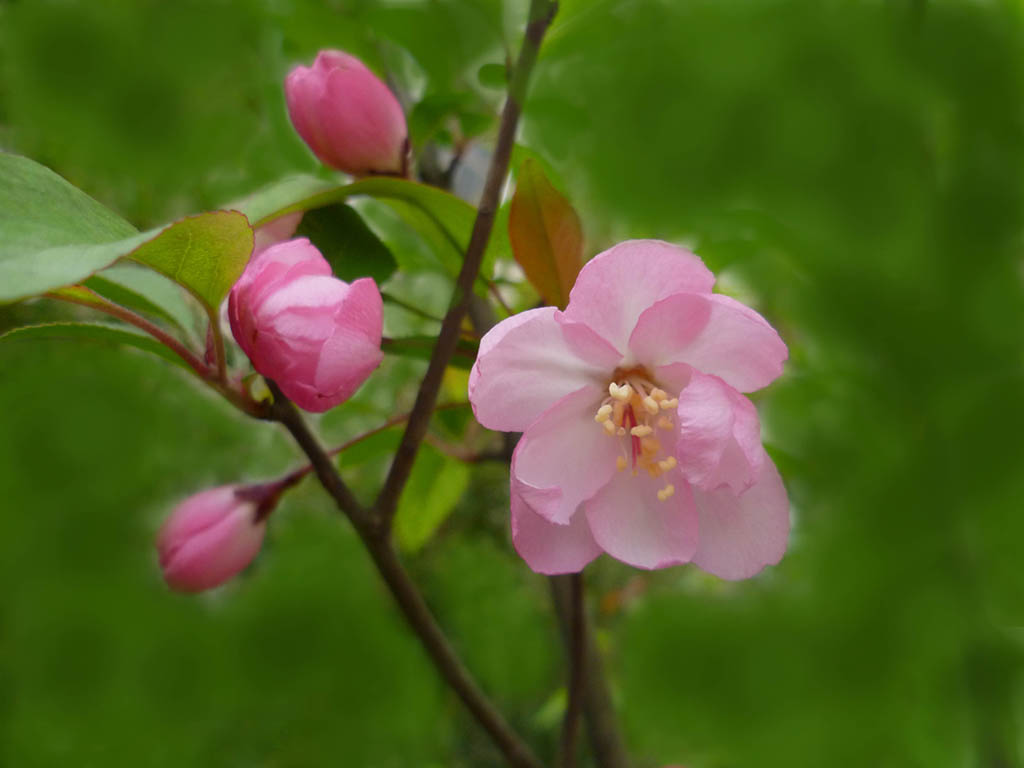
[852,168]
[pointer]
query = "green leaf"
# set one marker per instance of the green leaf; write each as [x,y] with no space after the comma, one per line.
[546,235]
[100,332]
[493,75]
[51,234]
[345,240]
[448,219]
[280,198]
[144,291]
[435,486]
[205,253]
[373,447]
[421,347]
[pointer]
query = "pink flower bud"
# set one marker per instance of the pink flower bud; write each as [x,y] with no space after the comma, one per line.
[346,115]
[212,535]
[316,336]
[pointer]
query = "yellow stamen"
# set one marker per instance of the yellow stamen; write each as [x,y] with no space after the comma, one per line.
[609,427]
[666,492]
[618,411]
[621,463]
[667,404]
[650,404]
[664,423]
[620,393]
[649,446]
[659,394]
[641,431]
[654,470]
[603,413]
[667,464]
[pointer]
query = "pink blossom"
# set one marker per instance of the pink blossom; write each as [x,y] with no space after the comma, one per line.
[346,115]
[210,537]
[636,439]
[316,336]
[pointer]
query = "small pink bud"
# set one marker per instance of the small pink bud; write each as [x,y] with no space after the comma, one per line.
[347,116]
[213,535]
[316,336]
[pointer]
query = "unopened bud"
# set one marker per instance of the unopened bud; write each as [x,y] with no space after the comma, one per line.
[213,535]
[347,116]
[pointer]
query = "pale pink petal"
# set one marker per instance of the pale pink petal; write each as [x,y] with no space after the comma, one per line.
[346,360]
[309,295]
[564,457]
[740,535]
[550,548]
[362,309]
[668,326]
[719,435]
[616,286]
[633,525]
[735,343]
[527,363]
[266,271]
[673,378]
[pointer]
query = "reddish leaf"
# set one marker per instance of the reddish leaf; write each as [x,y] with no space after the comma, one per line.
[546,236]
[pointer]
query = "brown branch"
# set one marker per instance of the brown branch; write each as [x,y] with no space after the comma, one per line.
[575,687]
[541,14]
[282,410]
[602,725]
[378,542]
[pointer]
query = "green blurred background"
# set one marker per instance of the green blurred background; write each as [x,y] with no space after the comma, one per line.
[853,169]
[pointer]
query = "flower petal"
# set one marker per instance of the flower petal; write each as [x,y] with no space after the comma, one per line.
[633,525]
[734,342]
[616,286]
[550,548]
[564,458]
[720,435]
[740,535]
[530,361]
[346,360]
[362,310]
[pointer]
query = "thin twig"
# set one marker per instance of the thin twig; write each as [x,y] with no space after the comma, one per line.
[392,299]
[394,421]
[541,14]
[283,411]
[209,376]
[414,608]
[576,651]
[115,310]
[606,742]
[218,346]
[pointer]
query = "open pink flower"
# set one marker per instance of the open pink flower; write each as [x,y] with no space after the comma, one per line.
[636,439]
[316,336]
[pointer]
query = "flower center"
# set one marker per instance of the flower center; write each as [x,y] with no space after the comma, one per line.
[633,413]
